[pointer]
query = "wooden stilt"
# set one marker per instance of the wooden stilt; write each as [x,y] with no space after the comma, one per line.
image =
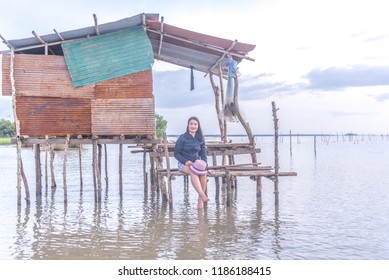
[228,181]
[52,157]
[144,170]
[121,169]
[99,189]
[106,166]
[25,184]
[167,160]
[94,166]
[217,181]
[46,162]
[65,158]
[276,157]
[80,166]
[38,171]
[17,127]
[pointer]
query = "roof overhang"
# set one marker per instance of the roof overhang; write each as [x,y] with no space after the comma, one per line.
[170,44]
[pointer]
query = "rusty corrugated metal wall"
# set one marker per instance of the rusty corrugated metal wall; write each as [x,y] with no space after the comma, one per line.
[40,75]
[48,104]
[128,116]
[53,116]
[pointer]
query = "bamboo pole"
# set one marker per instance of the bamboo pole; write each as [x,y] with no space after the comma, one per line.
[276,156]
[65,158]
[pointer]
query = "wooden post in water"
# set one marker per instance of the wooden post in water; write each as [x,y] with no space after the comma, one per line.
[121,169]
[276,157]
[314,144]
[144,169]
[80,166]
[168,175]
[52,157]
[99,189]
[94,166]
[106,166]
[46,162]
[228,181]
[217,181]
[290,142]
[20,171]
[65,157]
[38,171]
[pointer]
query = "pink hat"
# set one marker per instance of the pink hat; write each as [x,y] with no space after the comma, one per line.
[199,167]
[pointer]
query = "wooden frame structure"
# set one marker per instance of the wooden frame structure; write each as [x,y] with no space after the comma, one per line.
[170,44]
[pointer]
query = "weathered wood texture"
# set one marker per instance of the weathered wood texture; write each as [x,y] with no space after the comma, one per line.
[53,116]
[41,75]
[123,116]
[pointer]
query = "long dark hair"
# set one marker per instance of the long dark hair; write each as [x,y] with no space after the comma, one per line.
[199,132]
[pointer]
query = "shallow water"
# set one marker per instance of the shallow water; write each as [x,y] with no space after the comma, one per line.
[334,209]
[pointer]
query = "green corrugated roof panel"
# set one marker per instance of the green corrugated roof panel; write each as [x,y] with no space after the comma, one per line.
[108,56]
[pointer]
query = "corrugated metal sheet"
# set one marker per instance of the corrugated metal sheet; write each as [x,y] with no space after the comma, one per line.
[41,75]
[187,48]
[137,85]
[40,116]
[108,56]
[124,116]
[85,32]
[180,46]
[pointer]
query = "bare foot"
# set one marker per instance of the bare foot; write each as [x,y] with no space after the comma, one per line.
[203,197]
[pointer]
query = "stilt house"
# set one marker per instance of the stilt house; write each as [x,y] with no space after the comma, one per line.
[97,81]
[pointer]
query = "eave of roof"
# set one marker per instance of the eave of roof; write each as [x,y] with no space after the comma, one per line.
[171,44]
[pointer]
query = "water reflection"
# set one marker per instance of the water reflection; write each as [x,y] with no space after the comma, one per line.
[84,230]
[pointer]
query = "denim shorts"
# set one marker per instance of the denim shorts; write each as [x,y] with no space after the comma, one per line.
[180,166]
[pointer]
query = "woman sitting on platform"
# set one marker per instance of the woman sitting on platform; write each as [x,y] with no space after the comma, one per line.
[190,151]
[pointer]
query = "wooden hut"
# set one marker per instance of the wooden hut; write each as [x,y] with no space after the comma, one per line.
[94,85]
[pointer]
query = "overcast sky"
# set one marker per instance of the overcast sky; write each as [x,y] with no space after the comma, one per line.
[325,63]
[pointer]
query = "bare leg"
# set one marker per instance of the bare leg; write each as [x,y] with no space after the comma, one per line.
[199,184]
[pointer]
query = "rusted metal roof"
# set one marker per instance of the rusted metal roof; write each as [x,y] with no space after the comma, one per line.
[171,44]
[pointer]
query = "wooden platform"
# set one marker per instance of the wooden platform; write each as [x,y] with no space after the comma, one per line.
[229,172]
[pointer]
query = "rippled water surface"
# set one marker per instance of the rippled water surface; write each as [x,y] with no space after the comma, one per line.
[336,208]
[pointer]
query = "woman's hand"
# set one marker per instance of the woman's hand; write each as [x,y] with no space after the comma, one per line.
[188,163]
[211,171]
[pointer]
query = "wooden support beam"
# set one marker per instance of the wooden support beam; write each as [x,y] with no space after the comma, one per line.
[58,34]
[43,42]
[96,24]
[161,37]
[6,42]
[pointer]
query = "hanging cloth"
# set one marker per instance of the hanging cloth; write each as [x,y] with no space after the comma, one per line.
[231,102]
[191,78]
